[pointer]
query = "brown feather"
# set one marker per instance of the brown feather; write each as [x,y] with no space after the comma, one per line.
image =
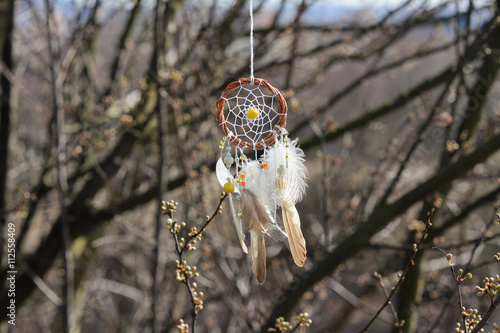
[254,214]
[237,225]
[291,220]
[257,220]
[258,250]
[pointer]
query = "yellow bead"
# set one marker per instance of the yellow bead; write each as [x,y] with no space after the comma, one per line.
[229,187]
[252,114]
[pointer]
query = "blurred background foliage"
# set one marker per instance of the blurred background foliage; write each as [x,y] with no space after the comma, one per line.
[108,107]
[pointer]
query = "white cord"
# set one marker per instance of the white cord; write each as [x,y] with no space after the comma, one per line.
[251,41]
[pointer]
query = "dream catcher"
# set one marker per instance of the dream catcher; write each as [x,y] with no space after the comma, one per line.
[252,115]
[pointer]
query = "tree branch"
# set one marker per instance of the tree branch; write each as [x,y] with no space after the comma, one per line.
[398,101]
[488,313]
[379,218]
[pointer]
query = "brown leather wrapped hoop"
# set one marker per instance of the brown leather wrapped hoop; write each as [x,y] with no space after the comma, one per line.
[278,127]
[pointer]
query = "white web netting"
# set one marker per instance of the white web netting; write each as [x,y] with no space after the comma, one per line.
[252,114]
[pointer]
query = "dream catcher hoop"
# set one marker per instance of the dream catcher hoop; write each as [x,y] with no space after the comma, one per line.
[252,115]
[256,113]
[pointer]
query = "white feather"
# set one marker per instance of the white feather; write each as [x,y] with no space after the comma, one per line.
[295,174]
[223,174]
[291,191]
[257,182]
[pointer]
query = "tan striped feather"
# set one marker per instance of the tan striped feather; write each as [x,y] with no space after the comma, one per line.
[291,220]
[257,220]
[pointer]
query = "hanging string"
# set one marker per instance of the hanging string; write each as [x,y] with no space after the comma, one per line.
[251,41]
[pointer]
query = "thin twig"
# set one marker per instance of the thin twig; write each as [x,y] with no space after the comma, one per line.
[181,246]
[405,272]
[459,292]
[207,222]
[495,300]
[393,310]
